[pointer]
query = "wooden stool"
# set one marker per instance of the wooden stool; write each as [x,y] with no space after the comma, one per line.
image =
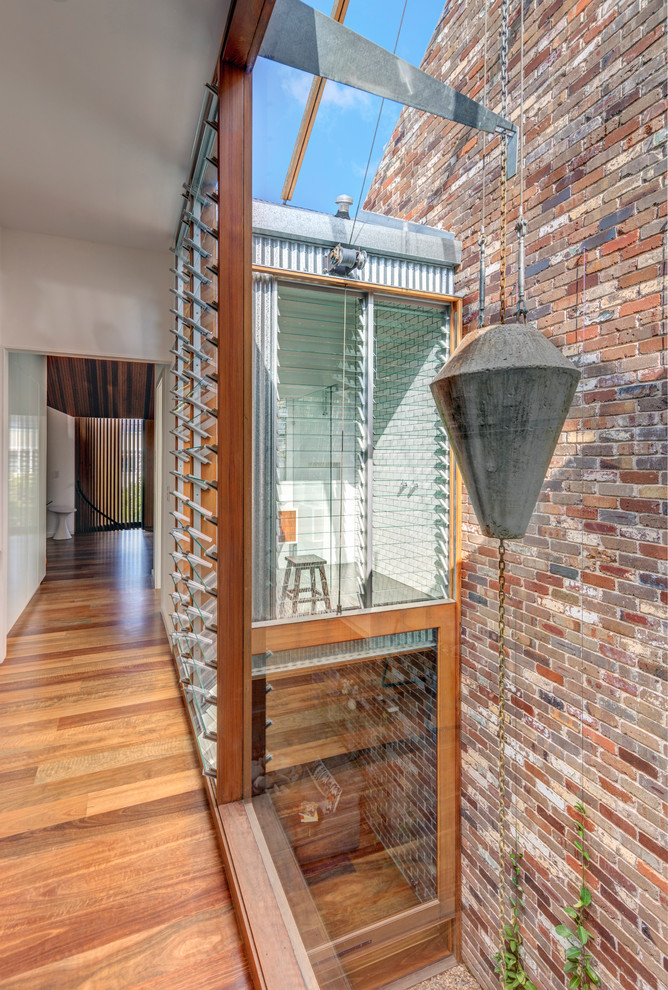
[305,562]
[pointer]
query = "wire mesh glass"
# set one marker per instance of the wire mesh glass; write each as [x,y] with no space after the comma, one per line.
[410,456]
[344,776]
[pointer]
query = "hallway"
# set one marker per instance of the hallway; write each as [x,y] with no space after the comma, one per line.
[111,874]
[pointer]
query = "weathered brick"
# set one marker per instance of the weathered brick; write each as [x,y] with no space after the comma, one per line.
[596,180]
[614,218]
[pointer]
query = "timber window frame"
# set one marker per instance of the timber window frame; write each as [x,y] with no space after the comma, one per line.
[276,953]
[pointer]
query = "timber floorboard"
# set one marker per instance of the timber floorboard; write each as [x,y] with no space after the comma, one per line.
[110,872]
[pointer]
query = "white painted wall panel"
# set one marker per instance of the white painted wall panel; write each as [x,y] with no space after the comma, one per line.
[64,296]
[26,475]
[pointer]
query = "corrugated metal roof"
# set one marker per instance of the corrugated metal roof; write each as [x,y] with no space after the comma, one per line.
[373,232]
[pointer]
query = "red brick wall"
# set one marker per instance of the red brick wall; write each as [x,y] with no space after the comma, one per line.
[587,586]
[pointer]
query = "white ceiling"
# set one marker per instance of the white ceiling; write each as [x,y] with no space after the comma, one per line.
[99,101]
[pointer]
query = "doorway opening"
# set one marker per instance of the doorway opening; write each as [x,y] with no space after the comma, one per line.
[80,459]
[100,444]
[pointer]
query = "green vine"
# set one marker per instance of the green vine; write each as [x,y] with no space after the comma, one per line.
[515,974]
[579,964]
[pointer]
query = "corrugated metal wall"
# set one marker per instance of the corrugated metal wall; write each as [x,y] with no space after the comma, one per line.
[297,256]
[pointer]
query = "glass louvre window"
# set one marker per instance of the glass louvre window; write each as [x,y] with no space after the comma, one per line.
[351,474]
[318,457]
[410,456]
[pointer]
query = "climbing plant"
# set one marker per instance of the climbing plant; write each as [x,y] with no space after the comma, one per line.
[579,962]
[514,972]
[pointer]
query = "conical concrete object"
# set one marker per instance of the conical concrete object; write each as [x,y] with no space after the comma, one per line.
[504,396]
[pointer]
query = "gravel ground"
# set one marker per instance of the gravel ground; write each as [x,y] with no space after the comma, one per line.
[457,978]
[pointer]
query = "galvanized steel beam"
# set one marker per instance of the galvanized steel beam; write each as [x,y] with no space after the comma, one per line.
[305,39]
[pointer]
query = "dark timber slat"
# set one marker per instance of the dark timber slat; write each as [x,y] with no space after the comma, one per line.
[111,873]
[106,389]
[109,471]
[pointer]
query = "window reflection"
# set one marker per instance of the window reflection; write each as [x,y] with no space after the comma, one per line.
[24,472]
[344,780]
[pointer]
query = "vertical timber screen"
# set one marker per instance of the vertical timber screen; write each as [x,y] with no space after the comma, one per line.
[110,474]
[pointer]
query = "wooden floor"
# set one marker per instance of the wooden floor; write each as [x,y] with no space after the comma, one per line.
[110,875]
[353,879]
[351,876]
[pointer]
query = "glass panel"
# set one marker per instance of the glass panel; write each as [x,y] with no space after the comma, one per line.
[347,126]
[410,456]
[194,448]
[309,513]
[26,473]
[345,781]
[341,522]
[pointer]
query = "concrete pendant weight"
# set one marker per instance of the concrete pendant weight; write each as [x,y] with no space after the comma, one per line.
[504,396]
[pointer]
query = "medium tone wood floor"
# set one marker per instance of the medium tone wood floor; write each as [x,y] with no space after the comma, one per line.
[351,876]
[110,874]
[357,884]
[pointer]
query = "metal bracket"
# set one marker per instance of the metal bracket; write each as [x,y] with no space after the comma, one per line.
[511,162]
[305,39]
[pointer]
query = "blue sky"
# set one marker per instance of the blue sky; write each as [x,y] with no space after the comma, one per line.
[340,143]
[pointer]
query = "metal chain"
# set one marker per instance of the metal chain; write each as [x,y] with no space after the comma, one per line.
[482,240]
[521,225]
[504,58]
[502,762]
[504,157]
[520,143]
[502,546]
[484,133]
[502,266]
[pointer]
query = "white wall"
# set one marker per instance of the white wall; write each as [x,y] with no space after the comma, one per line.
[63,296]
[4,409]
[26,474]
[60,470]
